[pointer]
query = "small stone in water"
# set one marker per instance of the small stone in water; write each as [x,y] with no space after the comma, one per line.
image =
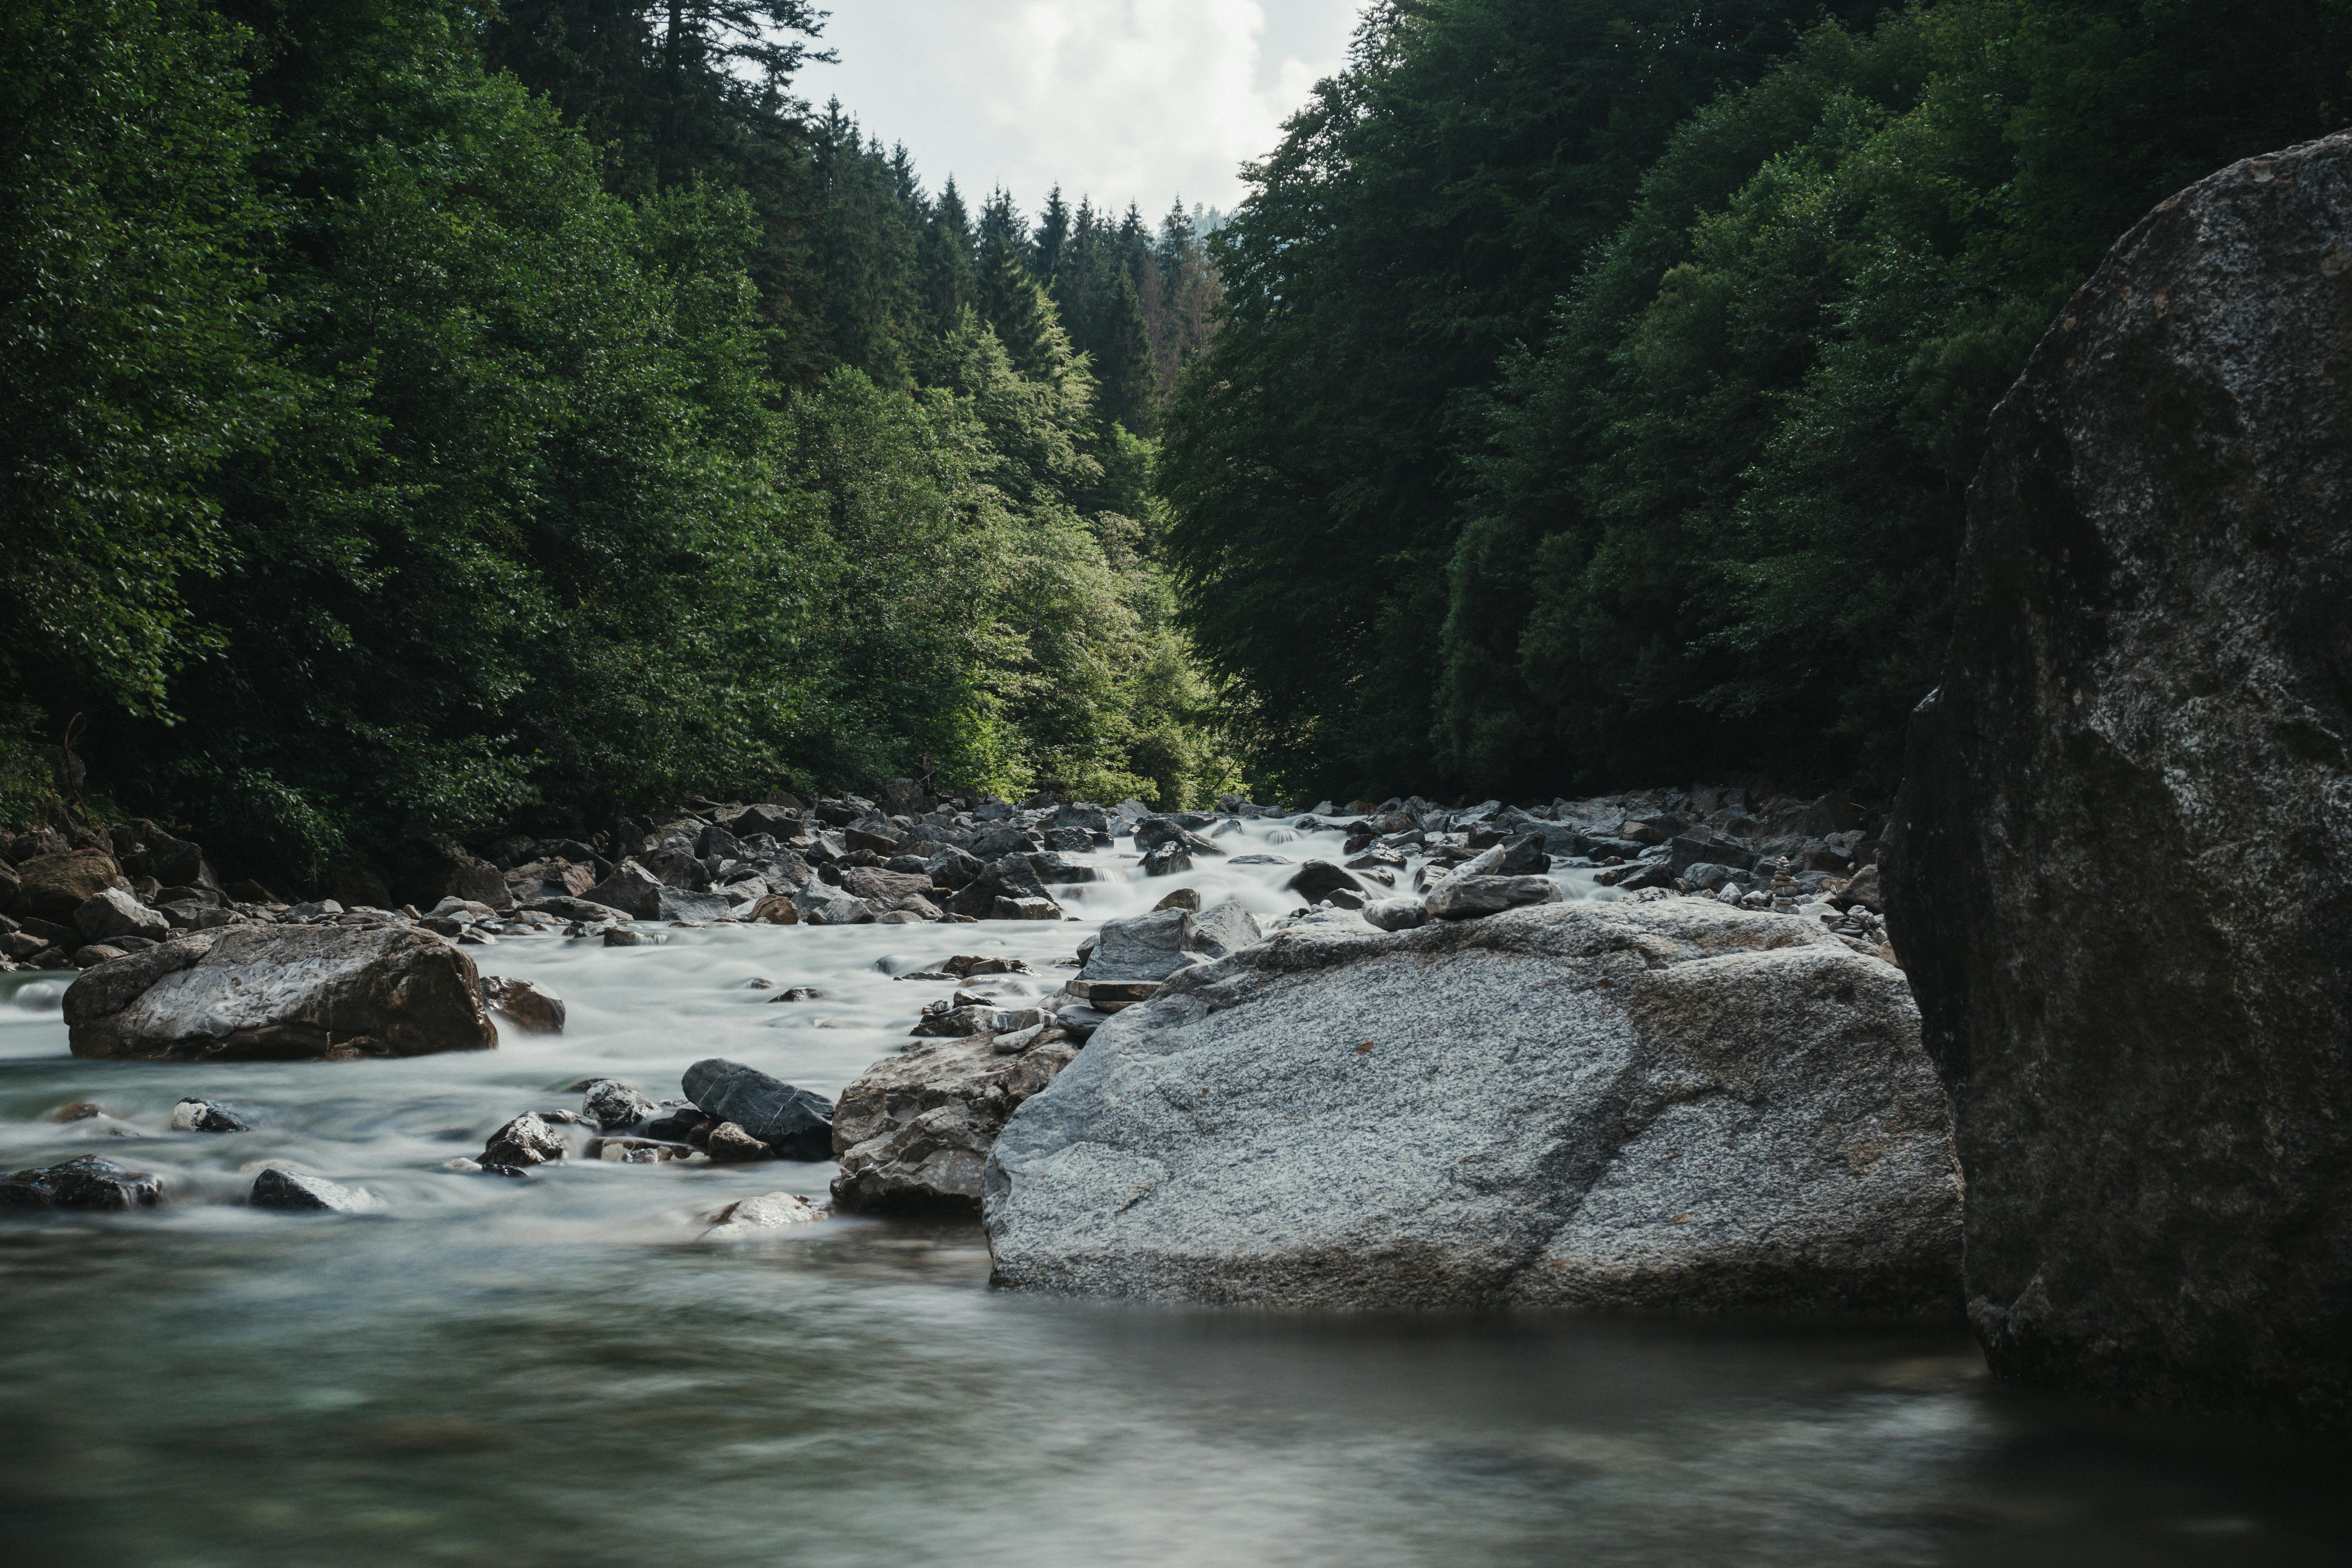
[203,1116]
[769,1211]
[280,1189]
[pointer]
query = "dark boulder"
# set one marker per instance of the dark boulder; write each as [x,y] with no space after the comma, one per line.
[89,1183]
[797,1124]
[2120,872]
[1318,880]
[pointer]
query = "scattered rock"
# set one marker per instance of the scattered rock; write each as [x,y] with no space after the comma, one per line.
[263,994]
[626,936]
[203,1116]
[111,912]
[1469,897]
[612,1105]
[797,1124]
[525,1142]
[1181,899]
[281,1189]
[534,1007]
[1617,1106]
[1155,946]
[913,1131]
[56,887]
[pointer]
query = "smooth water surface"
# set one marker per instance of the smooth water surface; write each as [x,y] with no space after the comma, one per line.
[562,1370]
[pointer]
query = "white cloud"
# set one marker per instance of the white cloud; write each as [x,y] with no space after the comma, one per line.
[1127,100]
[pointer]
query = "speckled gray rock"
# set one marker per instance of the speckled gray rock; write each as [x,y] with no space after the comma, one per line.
[2120,873]
[913,1132]
[1653,1105]
[277,993]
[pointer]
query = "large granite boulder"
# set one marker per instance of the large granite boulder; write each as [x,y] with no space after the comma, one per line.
[913,1132]
[1652,1105]
[2121,869]
[279,993]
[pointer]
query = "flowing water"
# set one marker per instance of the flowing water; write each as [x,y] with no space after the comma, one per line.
[563,1372]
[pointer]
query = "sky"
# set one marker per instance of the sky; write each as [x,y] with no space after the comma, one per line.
[1125,101]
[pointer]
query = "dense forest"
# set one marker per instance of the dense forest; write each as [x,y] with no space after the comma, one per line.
[1600,381]
[425,416]
[435,415]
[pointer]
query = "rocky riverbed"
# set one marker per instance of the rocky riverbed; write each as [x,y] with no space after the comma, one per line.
[680,1357]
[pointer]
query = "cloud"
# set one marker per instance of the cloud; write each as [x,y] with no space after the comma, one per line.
[1127,100]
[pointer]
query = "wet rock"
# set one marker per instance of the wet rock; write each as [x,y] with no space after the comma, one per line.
[1166,860]
[612,1105]
[87,1183]
[263,994]
[1469,897]
[1317,880]
[729,1144]
[525,1142]
[1181,899]
[203,1116]
[56,887]
[80,1110]
[569,909]
[1615,1105]
[534,1007]
[626,936]
[775,910]
[2120,872]
[637,1151]
[761,1216]
[293,1190]
[913,1131]
[795,1123]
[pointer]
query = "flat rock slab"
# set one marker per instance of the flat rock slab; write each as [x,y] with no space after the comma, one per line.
[1659,1105]
[276,994]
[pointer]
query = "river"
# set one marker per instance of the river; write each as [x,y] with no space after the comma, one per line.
[562,1370]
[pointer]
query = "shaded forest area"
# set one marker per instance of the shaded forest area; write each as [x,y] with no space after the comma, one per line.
[1600,381]
[433,416]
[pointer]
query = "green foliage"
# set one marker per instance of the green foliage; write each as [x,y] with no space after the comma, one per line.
[408,446]
[131,359]
[1600,385]
[1422,215]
